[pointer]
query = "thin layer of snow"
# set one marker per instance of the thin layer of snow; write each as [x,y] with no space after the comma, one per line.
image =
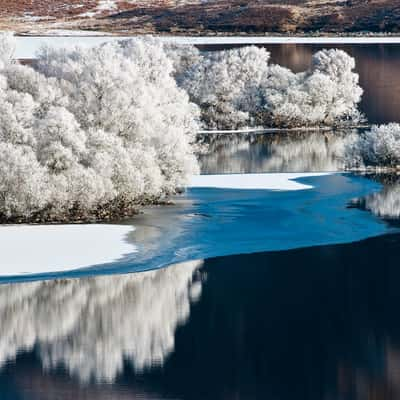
[228,40]
[279,181]
[265,130]
[73,33]
[33,249]
[103,6]
[27,46]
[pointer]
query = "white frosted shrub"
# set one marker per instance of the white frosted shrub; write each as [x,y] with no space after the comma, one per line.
[183,57]
[378,147]
[225,85]
[103,128]
[7,49]
[240,88]
[23,181]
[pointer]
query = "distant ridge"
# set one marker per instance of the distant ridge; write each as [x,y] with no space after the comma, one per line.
[199,17]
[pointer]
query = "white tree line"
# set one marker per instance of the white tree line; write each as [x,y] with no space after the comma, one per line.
[92,133]
[240,87]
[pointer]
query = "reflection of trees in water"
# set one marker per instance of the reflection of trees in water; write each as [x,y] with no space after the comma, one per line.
[386,203]
[282,152]
[307,324]
[380,381]
[92,326]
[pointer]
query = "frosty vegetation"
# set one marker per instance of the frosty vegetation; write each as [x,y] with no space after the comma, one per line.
[91,132]
[378,147]
[239,87]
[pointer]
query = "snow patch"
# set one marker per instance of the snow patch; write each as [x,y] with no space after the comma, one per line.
[279,181]
[102,6]
[33,249]
[229,40]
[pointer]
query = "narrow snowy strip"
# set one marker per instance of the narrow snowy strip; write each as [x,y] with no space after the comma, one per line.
[221,40]
[266,130]
[27,46]
[33,249]
[279,181]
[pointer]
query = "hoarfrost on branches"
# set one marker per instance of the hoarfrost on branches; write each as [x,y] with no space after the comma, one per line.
[377,147]
[239,87]
[90,131]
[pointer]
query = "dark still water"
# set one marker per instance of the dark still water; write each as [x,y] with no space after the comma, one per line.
[377,64]
[314,323]
[274,152]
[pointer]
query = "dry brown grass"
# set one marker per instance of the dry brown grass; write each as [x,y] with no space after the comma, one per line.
[227,16]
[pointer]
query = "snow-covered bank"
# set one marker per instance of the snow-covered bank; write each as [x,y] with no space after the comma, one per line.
[227,40]
[281,181]
[33,249]
[27,46]
[271,130]
[206,223]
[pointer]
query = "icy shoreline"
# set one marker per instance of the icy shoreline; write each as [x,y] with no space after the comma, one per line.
[41,249]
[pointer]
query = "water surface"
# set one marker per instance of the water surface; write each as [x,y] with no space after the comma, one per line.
[314,323]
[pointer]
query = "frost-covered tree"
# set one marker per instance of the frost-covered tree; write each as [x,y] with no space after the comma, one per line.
[183,58]
[226,85]
[239,87]
[377,147]
[92,132]
[7,49]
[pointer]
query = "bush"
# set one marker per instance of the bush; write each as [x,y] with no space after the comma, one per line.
[239,87]
[92,132]
[378,147]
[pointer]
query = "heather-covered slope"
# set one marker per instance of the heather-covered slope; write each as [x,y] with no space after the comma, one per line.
[201,17]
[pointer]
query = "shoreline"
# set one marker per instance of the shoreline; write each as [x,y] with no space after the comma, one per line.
[27,46]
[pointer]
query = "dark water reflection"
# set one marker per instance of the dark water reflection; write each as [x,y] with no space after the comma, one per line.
[275,152]
[377,64]
[385,204]
[315,323]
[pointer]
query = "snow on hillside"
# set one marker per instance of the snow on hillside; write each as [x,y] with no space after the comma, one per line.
[199,17]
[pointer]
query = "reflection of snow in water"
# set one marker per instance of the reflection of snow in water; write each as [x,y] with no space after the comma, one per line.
[274,153]
[92,325]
